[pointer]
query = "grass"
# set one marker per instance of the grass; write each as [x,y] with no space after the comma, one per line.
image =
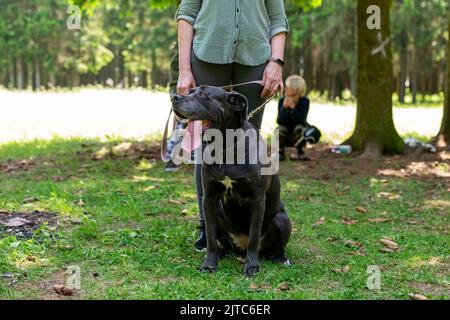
[130,227]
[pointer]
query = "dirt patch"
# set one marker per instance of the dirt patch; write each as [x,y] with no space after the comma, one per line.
[431,289]
[22,225]
[44,290]
[17,165]
[325,165]
[130,150]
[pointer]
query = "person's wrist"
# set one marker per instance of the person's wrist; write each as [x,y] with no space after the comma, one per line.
[277,60]
[185,70]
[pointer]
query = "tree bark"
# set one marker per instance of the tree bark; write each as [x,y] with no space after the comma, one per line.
[154,68]
[37,75]
[374,132]
[19,70]
[403,66]
[144,80]
[12,76]
[444,132]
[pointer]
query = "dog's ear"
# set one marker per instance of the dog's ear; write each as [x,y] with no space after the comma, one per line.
[239,103]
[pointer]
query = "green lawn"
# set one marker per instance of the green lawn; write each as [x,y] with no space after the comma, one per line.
[130,227]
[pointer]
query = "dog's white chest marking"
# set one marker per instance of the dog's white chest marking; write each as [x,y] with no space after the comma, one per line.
[228,183]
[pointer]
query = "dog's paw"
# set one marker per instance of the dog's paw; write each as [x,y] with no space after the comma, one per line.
[283,260]
[251,269]
[287,262]
[208,267]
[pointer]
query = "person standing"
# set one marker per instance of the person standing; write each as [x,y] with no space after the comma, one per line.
[224,42]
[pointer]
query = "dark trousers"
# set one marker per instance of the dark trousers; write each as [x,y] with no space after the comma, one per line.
[288,138]
[221,75]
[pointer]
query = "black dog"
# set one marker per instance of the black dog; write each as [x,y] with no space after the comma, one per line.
[243,210]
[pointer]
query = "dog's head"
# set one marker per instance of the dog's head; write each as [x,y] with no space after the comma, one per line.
[216,107]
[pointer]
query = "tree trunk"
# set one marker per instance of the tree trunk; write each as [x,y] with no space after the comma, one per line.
[12,76]
[444,132]
[37,75]
[307,59]
[52,80]
[374,132]
[154,68]
[144,81]
[403,66]
[19,70]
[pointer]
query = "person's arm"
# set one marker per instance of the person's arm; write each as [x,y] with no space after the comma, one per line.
[186,79]
[279,27]
[301,112]
[283,113]
[186,16]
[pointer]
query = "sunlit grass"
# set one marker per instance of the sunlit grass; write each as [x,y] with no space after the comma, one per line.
[134,225]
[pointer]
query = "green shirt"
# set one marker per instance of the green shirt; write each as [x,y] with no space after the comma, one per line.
[229,31]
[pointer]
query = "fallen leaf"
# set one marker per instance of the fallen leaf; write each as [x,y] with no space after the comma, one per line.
[284,286]
[359,253]
[253,286]
[63,290]
[345,269]
[100,154]
[389,244]
[379,220]
[177,202]
[265,286]
[318,223]
[122,148]
[416,296]
[348,221]
[31,259]
[361,209]
[351,243]
[387,195]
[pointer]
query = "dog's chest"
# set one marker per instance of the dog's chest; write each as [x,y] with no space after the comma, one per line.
[227,182]
[237,189]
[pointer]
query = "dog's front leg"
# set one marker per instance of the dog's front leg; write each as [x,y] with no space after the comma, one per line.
[257,214]
[210,203]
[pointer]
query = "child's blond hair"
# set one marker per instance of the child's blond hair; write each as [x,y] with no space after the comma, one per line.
[298,84]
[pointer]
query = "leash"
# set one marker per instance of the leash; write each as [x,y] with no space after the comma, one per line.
[228,87]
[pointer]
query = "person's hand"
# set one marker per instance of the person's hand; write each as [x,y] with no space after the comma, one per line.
[288,103]
[186,82]
[273,79]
